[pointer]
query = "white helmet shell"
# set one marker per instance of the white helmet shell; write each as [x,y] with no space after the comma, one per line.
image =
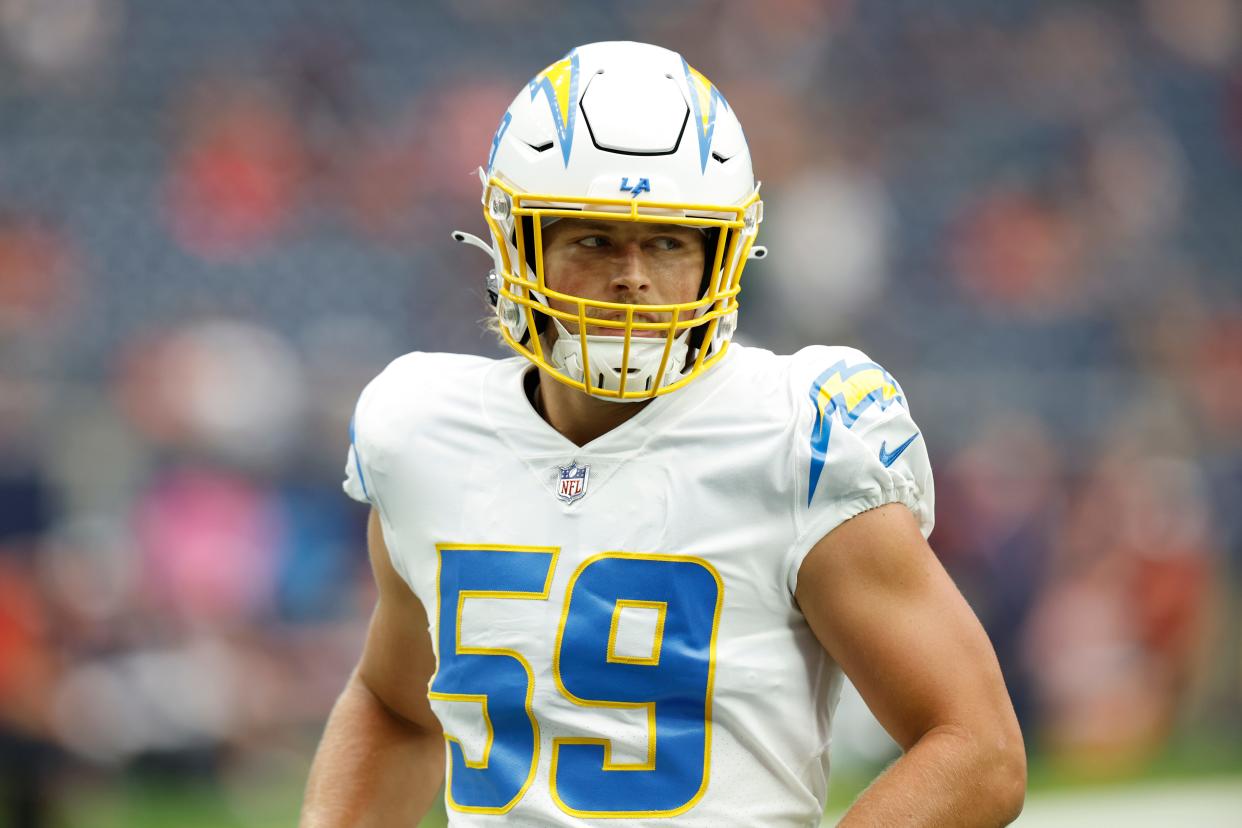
[615,111]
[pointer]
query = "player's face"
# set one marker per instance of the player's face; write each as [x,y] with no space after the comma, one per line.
[625,262]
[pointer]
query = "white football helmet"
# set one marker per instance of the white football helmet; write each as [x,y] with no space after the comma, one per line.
[622,132]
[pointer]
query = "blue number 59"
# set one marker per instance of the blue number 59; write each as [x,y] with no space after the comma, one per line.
[673,683]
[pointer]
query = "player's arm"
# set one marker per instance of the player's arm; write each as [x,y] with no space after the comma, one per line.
[381,759]
[883,607]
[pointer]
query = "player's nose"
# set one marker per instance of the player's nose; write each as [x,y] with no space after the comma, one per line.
[632,274]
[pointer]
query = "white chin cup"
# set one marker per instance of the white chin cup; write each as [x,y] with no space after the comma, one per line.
[606,353]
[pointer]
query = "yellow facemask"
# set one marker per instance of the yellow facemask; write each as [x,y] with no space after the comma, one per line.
[696,334]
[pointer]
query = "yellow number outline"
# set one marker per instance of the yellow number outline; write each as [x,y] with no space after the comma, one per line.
[653,660]
[462,597]
[649,764]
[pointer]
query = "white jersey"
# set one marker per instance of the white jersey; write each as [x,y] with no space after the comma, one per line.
[615,628]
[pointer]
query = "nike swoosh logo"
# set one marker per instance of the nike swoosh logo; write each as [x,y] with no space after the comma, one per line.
[887,458]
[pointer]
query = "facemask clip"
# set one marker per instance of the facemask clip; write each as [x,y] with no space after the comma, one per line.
[473,240]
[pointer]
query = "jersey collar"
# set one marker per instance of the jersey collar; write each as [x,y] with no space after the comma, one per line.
[511,415]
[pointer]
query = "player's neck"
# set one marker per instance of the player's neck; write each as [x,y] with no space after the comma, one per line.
[579,417]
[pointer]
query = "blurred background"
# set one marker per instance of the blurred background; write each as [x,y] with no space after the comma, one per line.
[219,220]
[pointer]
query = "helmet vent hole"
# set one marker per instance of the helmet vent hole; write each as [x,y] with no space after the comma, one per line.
[668,75]
[648,388]
[544,147]
[721,158]
[600,384]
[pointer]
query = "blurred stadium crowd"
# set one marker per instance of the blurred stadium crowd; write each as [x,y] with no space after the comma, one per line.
[218,221]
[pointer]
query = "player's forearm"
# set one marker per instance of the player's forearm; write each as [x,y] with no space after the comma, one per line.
[372,768]
[946,778]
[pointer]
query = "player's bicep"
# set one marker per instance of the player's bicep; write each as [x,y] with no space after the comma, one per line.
[883,607]
[397,660]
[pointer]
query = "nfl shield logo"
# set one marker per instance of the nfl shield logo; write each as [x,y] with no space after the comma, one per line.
[573,481]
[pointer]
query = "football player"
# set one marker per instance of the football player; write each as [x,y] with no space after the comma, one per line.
[622,573]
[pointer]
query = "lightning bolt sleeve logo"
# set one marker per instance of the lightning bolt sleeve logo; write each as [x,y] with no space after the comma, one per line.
[845,393]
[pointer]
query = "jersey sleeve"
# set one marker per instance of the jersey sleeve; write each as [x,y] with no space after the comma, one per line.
[856,446]
[359,481]
[355,483]
[384,417]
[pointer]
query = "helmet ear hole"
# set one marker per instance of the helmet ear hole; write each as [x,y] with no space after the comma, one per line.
[711,239]
[526,223]
[528,240]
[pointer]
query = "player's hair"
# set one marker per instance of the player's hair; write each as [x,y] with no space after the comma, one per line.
[491,323]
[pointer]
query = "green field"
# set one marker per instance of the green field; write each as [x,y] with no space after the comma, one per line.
[1194,786]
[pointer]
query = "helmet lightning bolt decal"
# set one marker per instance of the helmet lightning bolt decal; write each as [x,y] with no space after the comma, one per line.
[846,392]
[500,133]
[560,82]
[704,97]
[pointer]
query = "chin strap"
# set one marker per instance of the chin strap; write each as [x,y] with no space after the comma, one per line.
[606,354]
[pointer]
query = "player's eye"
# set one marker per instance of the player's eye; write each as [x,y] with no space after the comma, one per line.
[667,243]
[592,241]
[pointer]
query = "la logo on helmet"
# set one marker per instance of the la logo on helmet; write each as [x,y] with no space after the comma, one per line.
[643,186]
